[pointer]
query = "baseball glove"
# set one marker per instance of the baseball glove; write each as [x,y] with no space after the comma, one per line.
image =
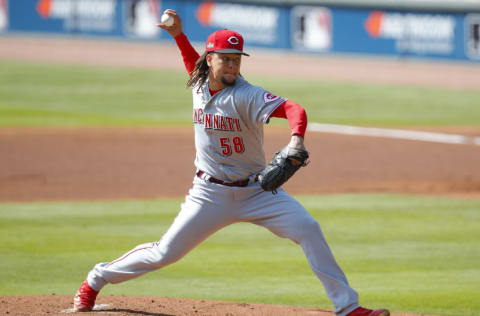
[281,168]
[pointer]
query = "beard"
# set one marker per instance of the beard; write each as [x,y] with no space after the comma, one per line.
[228,83]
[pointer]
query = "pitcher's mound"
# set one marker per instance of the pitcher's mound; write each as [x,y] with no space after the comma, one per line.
[158,306]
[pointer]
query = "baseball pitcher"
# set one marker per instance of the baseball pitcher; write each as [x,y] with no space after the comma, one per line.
[232,182]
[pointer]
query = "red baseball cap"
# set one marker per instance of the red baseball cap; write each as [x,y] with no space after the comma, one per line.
[225,41]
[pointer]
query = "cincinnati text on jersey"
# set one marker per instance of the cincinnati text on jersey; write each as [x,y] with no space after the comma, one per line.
[216,121]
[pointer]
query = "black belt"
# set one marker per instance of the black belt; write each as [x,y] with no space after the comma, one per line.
[240,183]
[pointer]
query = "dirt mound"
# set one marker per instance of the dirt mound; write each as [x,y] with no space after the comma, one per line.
[158,306]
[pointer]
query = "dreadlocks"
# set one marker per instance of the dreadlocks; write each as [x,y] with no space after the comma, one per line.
[199,73]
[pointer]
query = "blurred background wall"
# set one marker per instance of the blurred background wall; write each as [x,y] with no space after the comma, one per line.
[427,29]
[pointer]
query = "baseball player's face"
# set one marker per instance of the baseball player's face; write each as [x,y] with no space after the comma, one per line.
[224,68]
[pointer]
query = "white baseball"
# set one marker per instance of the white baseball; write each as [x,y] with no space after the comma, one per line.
[166,20]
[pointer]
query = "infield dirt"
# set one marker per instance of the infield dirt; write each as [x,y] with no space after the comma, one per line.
[121,163]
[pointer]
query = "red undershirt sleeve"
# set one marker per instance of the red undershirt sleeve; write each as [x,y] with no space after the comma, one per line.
[189,54]
[296,115]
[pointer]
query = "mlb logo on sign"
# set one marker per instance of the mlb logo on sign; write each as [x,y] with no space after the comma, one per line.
[472,36]
[141,17]
[3,15]
[311,28]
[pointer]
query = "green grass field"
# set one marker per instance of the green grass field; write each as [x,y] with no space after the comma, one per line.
[410,254]
[49,95]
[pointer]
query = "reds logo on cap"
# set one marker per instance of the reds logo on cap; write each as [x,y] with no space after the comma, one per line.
[225,41]
[233,40]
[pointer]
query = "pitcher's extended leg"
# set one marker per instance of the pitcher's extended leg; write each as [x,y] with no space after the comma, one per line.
[287,218]
[195,222]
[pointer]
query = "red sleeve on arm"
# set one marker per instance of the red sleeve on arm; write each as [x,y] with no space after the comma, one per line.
[296,115]
[189,54]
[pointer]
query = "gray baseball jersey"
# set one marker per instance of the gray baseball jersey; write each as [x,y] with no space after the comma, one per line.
[229,129]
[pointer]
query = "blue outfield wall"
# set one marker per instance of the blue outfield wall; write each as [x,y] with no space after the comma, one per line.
[313,29]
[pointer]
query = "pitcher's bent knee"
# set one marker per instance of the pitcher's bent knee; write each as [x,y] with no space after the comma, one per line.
[309,229]
[303,229]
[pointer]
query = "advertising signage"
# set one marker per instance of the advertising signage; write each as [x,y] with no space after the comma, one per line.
[65,16]
[302,28]
[260,25]
[436,35]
